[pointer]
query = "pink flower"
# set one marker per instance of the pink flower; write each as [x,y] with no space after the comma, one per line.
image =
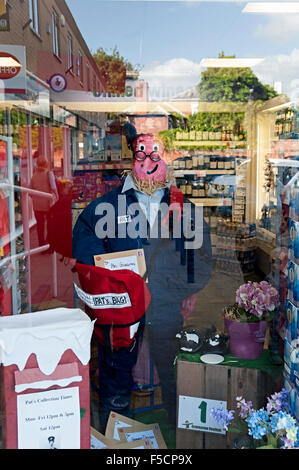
[257,298]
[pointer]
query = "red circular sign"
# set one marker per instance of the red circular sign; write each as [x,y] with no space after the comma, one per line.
[11,69]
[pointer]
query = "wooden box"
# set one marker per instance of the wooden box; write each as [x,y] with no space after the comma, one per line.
[218,382]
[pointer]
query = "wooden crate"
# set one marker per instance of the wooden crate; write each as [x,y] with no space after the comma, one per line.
[216,382]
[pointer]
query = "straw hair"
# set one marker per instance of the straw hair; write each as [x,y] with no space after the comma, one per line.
[150,186]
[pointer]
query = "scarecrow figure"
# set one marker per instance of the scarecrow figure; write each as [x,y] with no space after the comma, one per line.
[155,217]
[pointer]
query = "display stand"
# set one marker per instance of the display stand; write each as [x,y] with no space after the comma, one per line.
[252,380]
[45,379]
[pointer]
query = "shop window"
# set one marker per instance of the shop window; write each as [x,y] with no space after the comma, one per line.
[57,137]
[55,28]
[33,14]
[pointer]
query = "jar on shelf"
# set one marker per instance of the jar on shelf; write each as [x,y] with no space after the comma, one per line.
[207,161]
[189,163]
[194,162]
[195,187]
[182,185]
[189,187]
[200,162]
[201,187]
[221,162]
[214,162]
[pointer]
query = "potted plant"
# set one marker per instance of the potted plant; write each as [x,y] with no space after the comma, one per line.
[247,320]
[272,427]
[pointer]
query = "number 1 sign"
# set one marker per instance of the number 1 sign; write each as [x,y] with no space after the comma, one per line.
[195,414]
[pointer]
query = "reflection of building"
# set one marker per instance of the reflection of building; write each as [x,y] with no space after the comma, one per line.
[44,38]
[57,58]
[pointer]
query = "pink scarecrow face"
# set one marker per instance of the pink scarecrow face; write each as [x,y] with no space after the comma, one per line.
[148,164]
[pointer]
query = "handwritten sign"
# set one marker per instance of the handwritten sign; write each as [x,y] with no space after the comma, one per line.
[128,262]
[132,260]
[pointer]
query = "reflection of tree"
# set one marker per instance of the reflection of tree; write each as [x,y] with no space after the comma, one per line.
[219,87]
[57,138]
[232,85]
[114,67]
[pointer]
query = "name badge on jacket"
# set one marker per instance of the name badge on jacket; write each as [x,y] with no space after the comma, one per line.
[124,219]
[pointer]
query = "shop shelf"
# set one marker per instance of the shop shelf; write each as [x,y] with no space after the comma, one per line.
[209,202]
[103,166]
[203,173]
[199,143]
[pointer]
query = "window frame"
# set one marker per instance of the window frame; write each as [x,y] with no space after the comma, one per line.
[34,15]
[80,69]
[88,77]
[55,34]
[70,55]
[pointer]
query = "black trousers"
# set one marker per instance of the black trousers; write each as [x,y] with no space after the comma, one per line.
[115,373]
[115,376]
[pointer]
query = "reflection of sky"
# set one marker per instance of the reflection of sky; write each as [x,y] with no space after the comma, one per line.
[170,38]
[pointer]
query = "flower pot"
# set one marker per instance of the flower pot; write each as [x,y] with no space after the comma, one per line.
[246,339]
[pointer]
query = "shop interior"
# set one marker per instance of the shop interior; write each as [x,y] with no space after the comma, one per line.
[231,145]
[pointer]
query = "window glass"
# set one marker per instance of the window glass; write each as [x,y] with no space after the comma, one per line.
[70,51]
[174,141]
[55,33]
[33,14]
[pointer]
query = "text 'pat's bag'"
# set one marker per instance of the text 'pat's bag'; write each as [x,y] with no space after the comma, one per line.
[117,300]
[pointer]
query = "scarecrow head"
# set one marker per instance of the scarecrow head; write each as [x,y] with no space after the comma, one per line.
[148,164]
[149,168]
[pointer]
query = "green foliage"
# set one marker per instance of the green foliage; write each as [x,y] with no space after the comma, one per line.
[114,68]
[168,138]
[215,121]
[232,85]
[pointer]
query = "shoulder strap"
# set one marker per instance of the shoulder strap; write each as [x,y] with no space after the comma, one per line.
[176,199]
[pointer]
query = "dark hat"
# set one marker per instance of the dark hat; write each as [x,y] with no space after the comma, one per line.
[129,131]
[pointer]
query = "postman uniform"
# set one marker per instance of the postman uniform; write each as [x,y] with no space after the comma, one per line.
[174,274]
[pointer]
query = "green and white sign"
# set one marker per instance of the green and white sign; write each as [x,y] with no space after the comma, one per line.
[195,414]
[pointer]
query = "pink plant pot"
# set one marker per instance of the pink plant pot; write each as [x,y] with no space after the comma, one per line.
[246,340]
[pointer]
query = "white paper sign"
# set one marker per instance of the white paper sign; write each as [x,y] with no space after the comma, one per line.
[127,262]
[119,424]
[195,414]
[49,420]
[146,434]
[96,443]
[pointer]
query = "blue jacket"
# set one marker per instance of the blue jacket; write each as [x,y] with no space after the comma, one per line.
[175,273]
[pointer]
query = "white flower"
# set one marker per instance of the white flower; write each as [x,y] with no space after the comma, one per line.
[291,434]
[283,422]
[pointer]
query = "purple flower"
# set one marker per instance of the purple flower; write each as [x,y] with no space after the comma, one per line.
[257,298]
[245,407]
[222,417]
[278,401]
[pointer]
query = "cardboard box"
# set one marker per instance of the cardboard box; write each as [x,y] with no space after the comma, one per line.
[134,260]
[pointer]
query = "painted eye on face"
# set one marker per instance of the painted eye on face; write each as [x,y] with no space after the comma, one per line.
[141,147]
[156,148]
